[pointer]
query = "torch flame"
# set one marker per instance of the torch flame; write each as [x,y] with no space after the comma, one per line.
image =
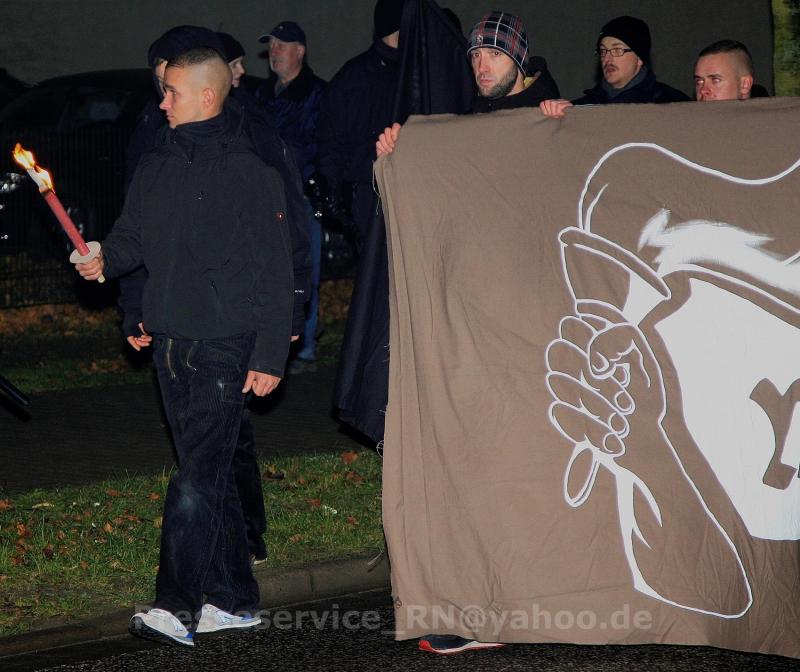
[25,158]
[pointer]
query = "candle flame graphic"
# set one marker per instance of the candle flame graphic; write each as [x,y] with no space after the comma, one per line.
[25,158]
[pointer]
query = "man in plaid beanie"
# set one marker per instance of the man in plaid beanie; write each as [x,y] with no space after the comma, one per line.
[623,50]
[506,75]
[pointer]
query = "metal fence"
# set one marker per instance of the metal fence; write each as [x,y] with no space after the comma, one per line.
[87,167]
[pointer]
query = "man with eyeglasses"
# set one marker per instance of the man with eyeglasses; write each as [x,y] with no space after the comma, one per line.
[623,48]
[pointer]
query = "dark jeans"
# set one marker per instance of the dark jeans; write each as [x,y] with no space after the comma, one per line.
[203,542]
[248,484]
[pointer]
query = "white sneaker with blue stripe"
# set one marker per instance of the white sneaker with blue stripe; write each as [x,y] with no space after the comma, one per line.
[160,625]
[213,619]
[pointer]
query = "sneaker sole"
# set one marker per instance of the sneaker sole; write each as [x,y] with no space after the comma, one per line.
[138,628]
[424,645]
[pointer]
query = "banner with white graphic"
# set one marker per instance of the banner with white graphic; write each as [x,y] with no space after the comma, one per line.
[592,433]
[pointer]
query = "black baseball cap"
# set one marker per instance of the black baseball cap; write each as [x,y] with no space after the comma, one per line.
[285,31]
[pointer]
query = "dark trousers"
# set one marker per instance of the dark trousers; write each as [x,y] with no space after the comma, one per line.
[203,539]
[248,485]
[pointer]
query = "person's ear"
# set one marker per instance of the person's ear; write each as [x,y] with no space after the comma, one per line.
[745,84]
[209,97]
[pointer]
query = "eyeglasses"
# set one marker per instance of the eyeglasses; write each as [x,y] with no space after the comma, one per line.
[616,52]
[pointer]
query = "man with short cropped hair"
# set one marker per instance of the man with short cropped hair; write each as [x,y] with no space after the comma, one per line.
[207,219]
[724,71]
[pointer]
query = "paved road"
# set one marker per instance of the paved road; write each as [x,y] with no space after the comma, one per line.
[315,637]
[81,436]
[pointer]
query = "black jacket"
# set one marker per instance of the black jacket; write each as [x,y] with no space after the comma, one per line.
[294,112]
[269,146]
[543,87]
[647,91]
[357,106]
[207,219]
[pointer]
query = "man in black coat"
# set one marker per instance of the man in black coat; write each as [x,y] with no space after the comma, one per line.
[358,103]
[206,218]
[291,98]
[275,153]
[623,48]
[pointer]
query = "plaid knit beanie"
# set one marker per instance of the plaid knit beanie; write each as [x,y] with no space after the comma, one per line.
[504,32]
[632,31]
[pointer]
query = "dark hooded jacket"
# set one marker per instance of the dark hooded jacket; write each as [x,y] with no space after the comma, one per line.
[648,90]
[540,86]
[294,111]
[207,219]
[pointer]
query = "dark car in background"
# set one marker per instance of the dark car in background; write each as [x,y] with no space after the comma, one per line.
[78,127]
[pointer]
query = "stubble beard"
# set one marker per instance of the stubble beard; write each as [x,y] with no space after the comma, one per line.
[504,86]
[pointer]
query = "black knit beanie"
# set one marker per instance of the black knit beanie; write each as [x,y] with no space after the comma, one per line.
[632,31]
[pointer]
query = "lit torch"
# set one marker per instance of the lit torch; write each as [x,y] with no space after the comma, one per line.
[83,251]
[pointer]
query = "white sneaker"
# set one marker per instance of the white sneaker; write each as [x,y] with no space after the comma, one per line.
[161,626]
[213,619]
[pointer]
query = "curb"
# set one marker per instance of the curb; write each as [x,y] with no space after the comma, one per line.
[279,588]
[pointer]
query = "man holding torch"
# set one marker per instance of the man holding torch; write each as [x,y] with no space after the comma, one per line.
[207,219]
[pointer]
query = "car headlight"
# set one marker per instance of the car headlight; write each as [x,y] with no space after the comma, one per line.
[10,182]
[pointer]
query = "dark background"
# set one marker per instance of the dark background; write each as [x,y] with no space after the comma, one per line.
[45,38]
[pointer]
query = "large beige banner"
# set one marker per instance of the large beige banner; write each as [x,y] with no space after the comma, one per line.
[592,433]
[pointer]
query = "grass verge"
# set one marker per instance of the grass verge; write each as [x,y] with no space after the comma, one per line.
[75,552]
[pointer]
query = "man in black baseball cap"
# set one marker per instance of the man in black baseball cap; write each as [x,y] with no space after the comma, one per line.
[287,49]
[623,47]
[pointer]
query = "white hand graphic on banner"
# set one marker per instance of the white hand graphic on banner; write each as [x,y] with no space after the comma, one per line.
[609,394]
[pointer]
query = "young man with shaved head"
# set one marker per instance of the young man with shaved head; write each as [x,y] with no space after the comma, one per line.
[207,219]
[724,71]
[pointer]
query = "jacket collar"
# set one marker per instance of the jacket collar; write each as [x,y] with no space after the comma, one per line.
[299,88]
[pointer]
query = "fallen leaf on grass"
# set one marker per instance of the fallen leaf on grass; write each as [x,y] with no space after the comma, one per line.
[349,456]
[295,538]
[111,492]
[17,560]
[157,522]
[5,504]
[108,528]
[84,565]
[354,477]
[3,577]
[43,505]
[153,496]
[351,520]
[48,551]
[61,534]
[314,503]
[22,530]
